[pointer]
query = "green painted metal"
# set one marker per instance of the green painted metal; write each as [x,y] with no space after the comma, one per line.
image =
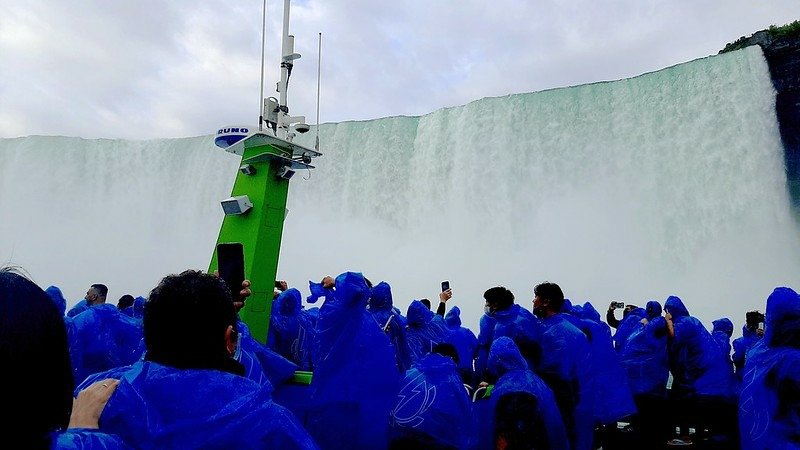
[259,230]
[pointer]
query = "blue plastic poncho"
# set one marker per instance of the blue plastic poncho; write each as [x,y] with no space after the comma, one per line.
[513,377]
[87,439]
[54,292]
[566,367]
[137,309]
[721,332]
[610,405]
[769,415]
[291,330]
[463,339]
[425,329]
[103,338]
[644,359]
[382,310]
[741,346]
[517,323]
[79,307]
[157,407]
[355,376]
[626,326]
[697,365]
[432,407]
[653,309]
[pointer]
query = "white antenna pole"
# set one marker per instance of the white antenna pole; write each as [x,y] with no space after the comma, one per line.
[319,76]
[263,44]
[287,47]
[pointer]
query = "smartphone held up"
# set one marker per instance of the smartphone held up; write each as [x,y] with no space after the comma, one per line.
[230,261]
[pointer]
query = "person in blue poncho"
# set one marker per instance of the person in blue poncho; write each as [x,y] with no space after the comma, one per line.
[355,378]
[380,305]
[722,330]
[644,359]
[424,330]
[752,332]
[521,411]
[769,403]
[565,365]
[503,317]
[629,322]
[465,342]
[291,330]
[38,377]
[189,392]
[432,409]
[102,337]
[613,399]
[703,388]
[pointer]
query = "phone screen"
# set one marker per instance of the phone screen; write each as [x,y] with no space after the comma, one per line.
[230,260]
[445,285]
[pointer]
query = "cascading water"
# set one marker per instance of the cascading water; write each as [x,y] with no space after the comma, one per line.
[670,183]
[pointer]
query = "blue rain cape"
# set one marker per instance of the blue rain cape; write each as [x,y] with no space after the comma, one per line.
[644,358]
[381,307]
[463,339]
[610,405]
[513,377]
[54,292]
[157,407]
[259,361]
[355,378]
[432,407]
[87,439]
[424,330]
[137,309]
[696,362]
[103,338]
[566,367]
[741,346]
[722,332]
[626,327]
[79,307]
[291,330]
[768,404]
[517,323]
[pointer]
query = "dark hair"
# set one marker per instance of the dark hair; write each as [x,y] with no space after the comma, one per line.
[426,302]
[102,289]
[446,349]
[185,320]
[34,352]
[752,319]
[552,293]
[125,301]
[500,297]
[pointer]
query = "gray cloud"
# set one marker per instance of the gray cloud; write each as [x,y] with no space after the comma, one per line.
[155,69]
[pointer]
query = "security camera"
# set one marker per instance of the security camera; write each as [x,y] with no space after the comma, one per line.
[302,127]
[285,172]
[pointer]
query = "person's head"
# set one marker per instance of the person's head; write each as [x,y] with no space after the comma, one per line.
[548,299]
[497,298]
[96,294]
[446,349]
[125,301]
[36,366]
[425,302]
[190,323]
[629,307]
[752,319]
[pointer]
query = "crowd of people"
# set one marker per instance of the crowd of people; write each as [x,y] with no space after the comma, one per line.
[179,369]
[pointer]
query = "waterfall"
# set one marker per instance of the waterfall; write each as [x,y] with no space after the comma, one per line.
[669,183]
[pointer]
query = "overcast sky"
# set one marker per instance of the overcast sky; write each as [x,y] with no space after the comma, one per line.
[156,69]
